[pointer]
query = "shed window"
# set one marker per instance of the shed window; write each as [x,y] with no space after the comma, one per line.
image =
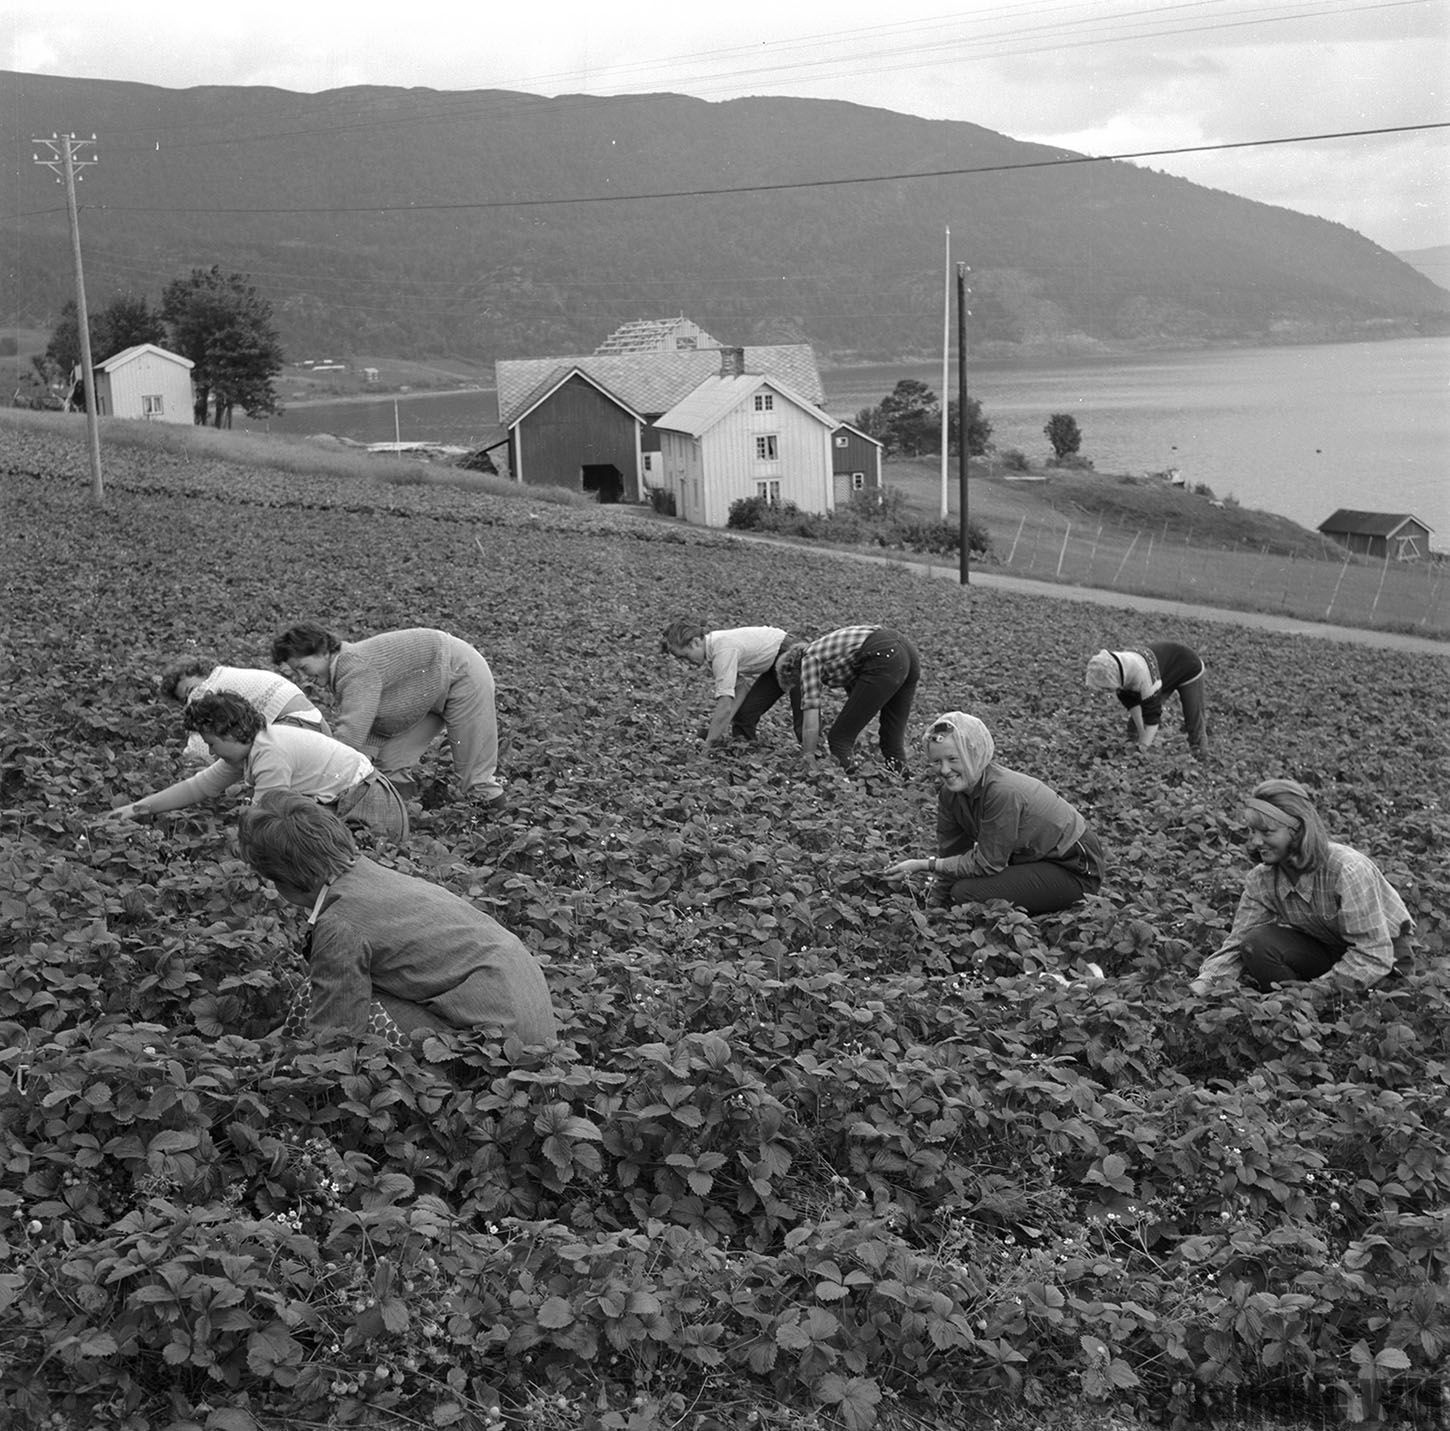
[858,481]
[765,402]
[767,449]
[151,405]
[842,440]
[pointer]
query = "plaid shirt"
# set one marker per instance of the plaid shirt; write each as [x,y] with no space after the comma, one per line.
[830,660]
[1345,901]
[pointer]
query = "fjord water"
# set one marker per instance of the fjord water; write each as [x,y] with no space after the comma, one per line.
[1294,430]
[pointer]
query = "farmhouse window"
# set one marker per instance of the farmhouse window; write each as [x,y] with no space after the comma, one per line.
[151,405]
[770,490]
[767,449]
[765,402]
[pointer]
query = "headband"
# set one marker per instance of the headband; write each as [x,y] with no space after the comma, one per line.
[1270,812]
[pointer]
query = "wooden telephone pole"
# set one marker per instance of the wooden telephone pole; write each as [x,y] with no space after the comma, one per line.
[962,419]
[65,163]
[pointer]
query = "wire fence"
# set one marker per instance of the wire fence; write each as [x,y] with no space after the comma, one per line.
[1357,591]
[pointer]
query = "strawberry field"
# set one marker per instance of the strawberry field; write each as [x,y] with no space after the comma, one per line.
[808,1155]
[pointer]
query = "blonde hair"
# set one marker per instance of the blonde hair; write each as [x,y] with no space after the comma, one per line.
[1310,843]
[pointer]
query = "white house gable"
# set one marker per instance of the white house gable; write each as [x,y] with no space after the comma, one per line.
[747,436]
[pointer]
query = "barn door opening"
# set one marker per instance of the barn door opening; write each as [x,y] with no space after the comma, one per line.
[604,480]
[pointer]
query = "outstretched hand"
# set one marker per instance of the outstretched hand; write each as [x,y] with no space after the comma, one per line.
[906,867]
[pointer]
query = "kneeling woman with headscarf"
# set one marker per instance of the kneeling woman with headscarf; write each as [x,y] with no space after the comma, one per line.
[1001,834]
[1309,906]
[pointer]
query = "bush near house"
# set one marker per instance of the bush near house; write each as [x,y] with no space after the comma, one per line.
[890,523]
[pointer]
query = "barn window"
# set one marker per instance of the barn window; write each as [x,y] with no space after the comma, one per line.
[842,440]
[767,448]
[858,481]
[770,490]
[765,402]
[151,405]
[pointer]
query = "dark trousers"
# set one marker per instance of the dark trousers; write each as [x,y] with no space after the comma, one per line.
[1038,886]
[1274,954]
[887,671]
[1195,714]
[761,696]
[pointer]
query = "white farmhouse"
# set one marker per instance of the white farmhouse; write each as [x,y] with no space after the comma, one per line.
[745,435]
[146,382]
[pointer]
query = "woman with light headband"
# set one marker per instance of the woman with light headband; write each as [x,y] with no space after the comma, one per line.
[1000,834]
[1309,906]
[1143,679]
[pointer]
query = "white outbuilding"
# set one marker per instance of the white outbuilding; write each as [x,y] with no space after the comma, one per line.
[146,382]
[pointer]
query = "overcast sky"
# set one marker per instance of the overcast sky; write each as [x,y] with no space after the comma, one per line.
[1089,75]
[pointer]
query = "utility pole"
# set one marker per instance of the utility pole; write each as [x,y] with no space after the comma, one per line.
[65,163]
[962,422]
[946,344]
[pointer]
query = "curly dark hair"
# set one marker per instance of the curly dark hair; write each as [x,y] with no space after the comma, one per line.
[225,714]
[306,638]
[175,673]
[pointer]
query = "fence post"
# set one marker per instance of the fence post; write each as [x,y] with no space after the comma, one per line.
[1333,596]
[1063,552]
[1124,561]
[1373,606]
[1013,552]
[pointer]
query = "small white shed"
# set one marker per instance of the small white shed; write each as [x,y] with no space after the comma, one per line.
[146,382]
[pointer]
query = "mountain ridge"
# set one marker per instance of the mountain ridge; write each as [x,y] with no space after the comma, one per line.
[500,224]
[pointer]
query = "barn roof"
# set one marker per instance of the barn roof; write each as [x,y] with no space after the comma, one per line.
[1368,524]
[651,383]
[700,410]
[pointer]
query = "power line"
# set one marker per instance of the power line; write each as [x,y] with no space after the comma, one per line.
[1060,161]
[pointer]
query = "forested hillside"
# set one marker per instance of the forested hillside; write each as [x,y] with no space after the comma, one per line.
[499,224]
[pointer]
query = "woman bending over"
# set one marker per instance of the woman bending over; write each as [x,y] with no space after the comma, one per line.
[1001,834]
[280,701]
[276,758]
[397,692]
[1144,678]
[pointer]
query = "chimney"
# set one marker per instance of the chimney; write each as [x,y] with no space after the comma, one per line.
[732,362]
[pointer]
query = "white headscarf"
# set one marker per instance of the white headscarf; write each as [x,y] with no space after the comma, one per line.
[969,739]
[1104,672]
